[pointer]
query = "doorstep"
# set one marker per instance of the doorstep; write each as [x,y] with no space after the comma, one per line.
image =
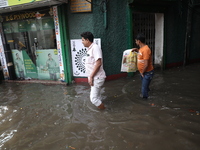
[37,81]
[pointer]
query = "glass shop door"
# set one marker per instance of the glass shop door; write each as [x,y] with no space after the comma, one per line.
[33,46]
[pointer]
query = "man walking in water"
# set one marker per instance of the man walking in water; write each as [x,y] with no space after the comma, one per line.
[94,69]
[145,66]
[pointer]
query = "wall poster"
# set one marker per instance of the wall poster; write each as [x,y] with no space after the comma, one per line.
[24,66]
[48,64]
[79,53]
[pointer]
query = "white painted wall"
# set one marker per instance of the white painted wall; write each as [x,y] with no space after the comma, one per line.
[159,39]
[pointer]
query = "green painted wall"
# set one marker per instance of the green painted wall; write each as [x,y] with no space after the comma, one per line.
[175,32]
[176,23]
[118,36]
[175,27]
[195,36]
[113,39]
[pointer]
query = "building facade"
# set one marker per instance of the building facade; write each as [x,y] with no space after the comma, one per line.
[32,41]
[51,48]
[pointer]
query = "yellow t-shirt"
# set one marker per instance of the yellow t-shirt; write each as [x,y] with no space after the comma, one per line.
[144,54]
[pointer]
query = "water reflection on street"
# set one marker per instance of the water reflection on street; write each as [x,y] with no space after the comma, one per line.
[58,117]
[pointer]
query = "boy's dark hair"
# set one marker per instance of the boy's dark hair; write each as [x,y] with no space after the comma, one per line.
[140,37]
[88,35]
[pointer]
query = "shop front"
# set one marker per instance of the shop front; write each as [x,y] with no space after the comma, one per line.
[31,43]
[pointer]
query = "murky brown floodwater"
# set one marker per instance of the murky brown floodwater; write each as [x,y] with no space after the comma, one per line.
[57,117]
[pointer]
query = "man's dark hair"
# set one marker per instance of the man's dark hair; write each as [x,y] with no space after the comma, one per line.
[88,35]
[140,37]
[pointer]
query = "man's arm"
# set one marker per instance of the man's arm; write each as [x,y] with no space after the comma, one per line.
[135,50]
[145,67]
[94,72]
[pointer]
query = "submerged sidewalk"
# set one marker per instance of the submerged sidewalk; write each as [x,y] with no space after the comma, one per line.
[57,117]
[36,81]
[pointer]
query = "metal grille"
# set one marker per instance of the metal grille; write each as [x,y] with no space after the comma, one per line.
[145,23]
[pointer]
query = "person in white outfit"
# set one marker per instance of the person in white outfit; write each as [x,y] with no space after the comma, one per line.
[94,69]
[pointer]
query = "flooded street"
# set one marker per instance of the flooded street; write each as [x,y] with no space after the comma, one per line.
[58,117]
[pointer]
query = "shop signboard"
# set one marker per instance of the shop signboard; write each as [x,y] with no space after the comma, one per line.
[5,3]
[48,64]
[79,53]
[23,15]
[19,2]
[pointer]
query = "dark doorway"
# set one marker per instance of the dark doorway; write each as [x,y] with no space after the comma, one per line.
[145,23]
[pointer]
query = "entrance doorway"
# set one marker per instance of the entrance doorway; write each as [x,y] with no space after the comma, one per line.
[152,26]
[33,46]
